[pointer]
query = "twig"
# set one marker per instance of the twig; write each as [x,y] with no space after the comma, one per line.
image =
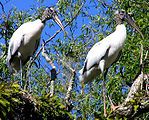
[56,34]
[104,4]
[141,64]
[146,55]
[2,7]
[47,57]
[71,82]
[141,58]
[65,64]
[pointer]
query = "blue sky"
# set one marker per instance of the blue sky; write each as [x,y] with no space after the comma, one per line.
[24,4]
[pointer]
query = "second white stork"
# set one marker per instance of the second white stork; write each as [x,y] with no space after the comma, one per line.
[104,53]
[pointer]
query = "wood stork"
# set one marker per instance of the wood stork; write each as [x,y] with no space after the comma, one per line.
[25,40]
[105,52]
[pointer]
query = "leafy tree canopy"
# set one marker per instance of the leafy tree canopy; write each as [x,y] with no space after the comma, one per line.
[86,22]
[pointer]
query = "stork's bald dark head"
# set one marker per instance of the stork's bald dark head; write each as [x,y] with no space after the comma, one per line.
[121,16]
[50,13]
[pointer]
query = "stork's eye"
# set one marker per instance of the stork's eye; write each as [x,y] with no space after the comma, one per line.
[51,10]
[122,12]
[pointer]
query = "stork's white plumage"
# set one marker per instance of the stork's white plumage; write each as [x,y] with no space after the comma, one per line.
[104,53]
[25,40]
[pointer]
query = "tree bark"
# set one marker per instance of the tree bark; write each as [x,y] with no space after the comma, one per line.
[137,101]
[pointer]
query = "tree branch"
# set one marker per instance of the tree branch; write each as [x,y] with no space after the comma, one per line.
[71,82]
[53,71]
[136,102]
[70,87]
[2,7]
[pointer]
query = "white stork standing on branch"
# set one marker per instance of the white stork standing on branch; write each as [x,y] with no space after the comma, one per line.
[105,52]
[25,40]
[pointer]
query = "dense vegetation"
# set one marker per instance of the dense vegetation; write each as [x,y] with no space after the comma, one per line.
[86,22]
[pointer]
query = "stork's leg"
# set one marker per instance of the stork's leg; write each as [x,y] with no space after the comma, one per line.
[30,74]
[113,107]
[26,80]
[104,97]
[21,73]
[82,89]
[104,92]
[28,77]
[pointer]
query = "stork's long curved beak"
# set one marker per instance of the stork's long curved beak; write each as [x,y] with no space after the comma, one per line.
[132,23]
[57,20]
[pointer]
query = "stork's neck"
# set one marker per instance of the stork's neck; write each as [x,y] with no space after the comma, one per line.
[121,27]
[121,33]
[39,24]
[119,21]
[43,20]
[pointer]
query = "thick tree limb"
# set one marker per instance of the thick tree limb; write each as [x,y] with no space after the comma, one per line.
[137,101]
[135,88]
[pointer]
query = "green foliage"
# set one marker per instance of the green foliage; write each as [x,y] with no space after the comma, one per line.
[52,108]
[8,99]
[94,22]
[18,104]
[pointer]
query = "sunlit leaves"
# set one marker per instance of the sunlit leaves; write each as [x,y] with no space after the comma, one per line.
[94,22]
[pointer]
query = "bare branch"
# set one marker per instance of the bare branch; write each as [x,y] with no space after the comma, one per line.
[65,64]
[71,82]
[53,71]
[146,55]
[141,59]
[135,88]
[104,4]
[47,57]
[70,87]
